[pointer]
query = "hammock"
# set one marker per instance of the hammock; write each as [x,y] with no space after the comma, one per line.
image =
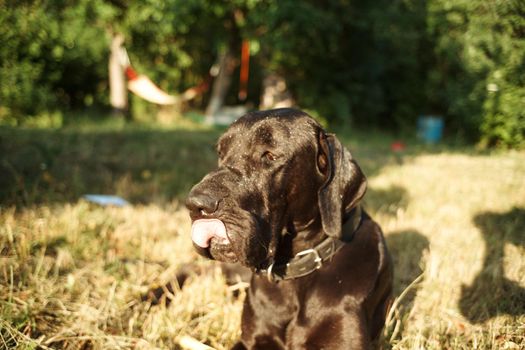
[143,87]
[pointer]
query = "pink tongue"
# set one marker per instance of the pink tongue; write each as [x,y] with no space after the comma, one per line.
[203,230]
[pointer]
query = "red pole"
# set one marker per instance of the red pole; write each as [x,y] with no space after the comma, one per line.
[245,69]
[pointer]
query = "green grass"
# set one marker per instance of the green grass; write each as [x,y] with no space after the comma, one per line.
[72,274]
[138,162]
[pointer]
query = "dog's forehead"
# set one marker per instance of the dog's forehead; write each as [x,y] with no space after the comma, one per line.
[268,130]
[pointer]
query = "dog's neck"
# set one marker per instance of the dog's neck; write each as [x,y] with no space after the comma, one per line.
[314,254]
[306,235]
[300,235]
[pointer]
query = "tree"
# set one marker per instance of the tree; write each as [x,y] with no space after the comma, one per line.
[351,62]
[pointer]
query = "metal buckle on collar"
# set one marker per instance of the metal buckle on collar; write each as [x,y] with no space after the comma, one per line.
[317,258]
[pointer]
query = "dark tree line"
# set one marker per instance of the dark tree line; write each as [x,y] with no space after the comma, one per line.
[372,63]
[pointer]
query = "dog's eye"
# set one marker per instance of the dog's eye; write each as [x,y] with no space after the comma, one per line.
[269,156]
[220,153]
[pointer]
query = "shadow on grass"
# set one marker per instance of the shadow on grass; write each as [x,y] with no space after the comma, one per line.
[491,293]
[42,165]
[386,201]
[139,163]
[407,248]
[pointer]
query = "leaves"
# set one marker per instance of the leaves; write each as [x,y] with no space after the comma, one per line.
[380,63]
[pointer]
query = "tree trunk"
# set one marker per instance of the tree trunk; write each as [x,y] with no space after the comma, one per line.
[221,84]
[118,95]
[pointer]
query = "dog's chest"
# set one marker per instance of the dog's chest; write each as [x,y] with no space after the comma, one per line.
[300,310]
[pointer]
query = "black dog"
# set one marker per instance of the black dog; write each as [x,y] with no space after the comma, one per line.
[284,201]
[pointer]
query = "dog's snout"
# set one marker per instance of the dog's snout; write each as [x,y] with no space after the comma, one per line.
[200,203]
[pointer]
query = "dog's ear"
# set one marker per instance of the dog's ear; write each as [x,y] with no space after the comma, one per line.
[344,184]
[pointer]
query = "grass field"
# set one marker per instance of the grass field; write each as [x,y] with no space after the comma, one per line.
[73,275]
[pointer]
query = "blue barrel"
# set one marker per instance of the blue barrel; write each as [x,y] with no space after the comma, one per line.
[430,128]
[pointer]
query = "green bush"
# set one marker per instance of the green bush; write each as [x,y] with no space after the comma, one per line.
[504,120]
[53,56]
[479,46]
[377,63]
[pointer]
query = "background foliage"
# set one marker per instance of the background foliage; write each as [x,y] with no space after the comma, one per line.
[380,63]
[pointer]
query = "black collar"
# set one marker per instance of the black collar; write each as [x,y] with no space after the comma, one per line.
[309,260]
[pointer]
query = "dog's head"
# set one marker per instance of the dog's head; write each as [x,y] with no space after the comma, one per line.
[278,172]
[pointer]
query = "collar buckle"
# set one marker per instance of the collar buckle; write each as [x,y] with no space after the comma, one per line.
[317,258]
[310,260]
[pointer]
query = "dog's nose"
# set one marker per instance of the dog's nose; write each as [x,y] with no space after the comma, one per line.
[200,203]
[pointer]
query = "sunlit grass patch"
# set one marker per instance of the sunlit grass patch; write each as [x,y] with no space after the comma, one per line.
[73,275]
[462,218]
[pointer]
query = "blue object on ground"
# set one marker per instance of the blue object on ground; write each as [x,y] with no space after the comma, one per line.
[430,128]
[106,200]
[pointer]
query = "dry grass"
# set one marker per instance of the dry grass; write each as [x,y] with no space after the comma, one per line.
[72,274]
[461,222]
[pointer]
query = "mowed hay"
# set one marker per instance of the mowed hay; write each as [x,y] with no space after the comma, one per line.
[460,222]
[74,276]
